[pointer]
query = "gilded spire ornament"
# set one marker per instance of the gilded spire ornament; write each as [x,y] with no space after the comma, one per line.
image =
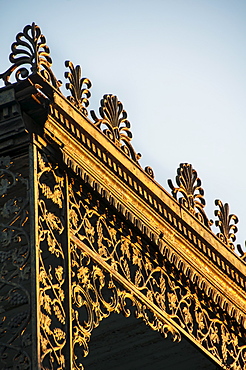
[224,222]
[189,186]
[79,87]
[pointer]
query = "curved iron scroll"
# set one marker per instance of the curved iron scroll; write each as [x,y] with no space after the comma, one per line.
[30,54]
[52,265]
[105,250]
[15,266]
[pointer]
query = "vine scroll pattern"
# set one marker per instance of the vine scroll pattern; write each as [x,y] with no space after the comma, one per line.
[15,266]
[107,257]
[53,314]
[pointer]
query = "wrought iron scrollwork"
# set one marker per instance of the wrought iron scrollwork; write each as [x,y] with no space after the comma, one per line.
[189,185]
[227,228]
[114,118]
[52,312]
[15,267]
[30,54]
[79,87]
[103,244]
[149,171]
[91,280]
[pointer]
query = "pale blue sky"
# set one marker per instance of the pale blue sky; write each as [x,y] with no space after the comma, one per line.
[178,66]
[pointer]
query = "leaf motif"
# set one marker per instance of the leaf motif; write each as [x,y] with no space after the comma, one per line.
[59,273]
[6,237]
[172,300]
[125,248]
[73,217]
[148,265]
[11,207]
[162,285]
[136,257]
[126,269]
[4,185]
[83,274]
[5,161]
[45,322]
[59,314]
[47,303]
[138,278]
[54,222]
[59,334]
[17,320]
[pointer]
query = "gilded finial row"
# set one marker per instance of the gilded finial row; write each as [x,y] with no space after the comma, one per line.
[30,55]
[190,195]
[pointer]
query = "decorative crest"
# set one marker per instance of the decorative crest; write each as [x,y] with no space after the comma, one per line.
[227,230]
[114,117]
[189,185]
[79,95]
[30,54]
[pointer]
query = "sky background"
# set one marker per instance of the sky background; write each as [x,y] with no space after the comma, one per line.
[178,67]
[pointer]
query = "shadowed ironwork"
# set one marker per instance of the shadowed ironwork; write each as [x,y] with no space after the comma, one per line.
[15,266]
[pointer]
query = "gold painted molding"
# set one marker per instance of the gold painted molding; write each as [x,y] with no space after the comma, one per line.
[185,241]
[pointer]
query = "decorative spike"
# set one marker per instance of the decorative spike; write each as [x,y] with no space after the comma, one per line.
[227,230]
[189,185]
